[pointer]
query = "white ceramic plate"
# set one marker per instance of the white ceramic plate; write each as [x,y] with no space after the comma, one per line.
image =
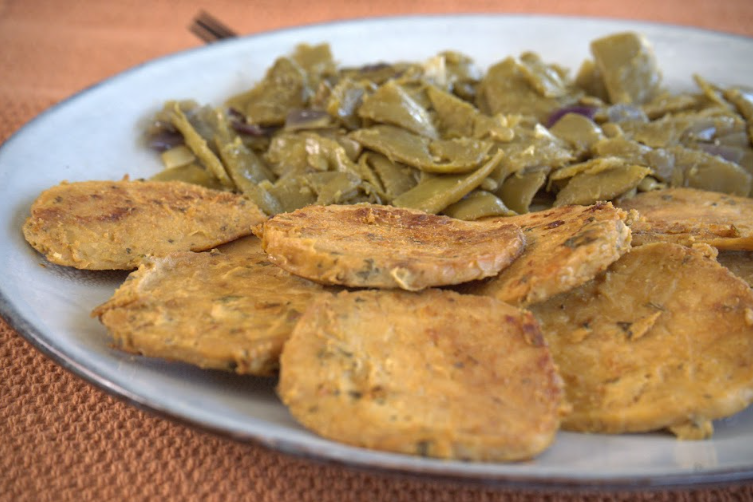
[95,135]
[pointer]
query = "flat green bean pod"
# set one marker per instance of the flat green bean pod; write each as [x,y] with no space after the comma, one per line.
[589,188]
[476,205]
[436,192]
[445,135]
[455,155]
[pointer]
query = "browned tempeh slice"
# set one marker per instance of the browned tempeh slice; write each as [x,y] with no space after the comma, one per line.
[689,216]
[662,339]
[565,247]
[229,309]
[369,245]
[739,263]
[114,225]
[435,373]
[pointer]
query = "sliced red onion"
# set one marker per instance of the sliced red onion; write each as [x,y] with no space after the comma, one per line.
[165,140]
[249,129]
[586,111]
[236,114]
[239,123]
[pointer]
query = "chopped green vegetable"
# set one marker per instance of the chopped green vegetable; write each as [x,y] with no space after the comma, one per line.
[442,135]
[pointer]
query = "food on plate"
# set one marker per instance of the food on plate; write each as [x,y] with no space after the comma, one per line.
[690,216]
[597,180]
[435,374]
[662,340]
[565,247]
[362,177]
[227,309]
[116,225]
[447,137]
[377,246]
[628,68]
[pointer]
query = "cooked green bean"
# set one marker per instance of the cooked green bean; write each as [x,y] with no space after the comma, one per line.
[589,188]
[457,155]
[199,146]
[476,205]
[579,131]
[444,135]
[436,192]
[518,190]
[392,178]
[190,173]
[391,104]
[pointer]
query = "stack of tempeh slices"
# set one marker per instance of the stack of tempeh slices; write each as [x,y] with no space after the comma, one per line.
[402,331]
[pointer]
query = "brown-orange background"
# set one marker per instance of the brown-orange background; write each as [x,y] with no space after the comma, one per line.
[60,438]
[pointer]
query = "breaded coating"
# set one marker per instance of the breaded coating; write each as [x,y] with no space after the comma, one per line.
[662,339]
[114,225]
[229,309]
[435,374]
[377,246]
[739,263]
[565,247]
[689,216]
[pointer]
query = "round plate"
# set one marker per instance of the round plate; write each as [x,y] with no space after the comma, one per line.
[96,135]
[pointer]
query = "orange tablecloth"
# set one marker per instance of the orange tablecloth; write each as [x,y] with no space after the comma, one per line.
[62,439]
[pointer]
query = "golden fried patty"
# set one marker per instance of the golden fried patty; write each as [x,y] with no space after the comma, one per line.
[565,247]
[388,247]
[228,309]
[739,263]
[662,339]
[114,225]
[434,373]
[689,216]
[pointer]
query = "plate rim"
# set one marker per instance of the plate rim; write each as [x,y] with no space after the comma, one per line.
[508,480]
[26,329]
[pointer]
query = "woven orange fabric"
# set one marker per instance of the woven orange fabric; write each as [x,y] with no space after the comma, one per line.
[60,438]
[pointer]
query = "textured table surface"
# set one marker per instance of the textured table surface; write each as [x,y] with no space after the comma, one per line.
[62,439]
